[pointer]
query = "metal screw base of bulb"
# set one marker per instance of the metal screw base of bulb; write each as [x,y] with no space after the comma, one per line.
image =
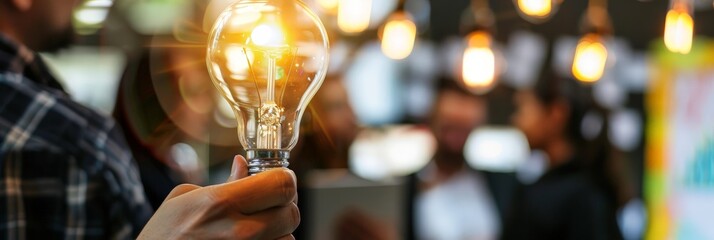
[261,160]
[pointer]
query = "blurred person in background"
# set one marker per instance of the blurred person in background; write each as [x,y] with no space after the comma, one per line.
[329,128]
[68,172]
[573,198]
[327,132]
[448,199]
[166,104]
[154,126]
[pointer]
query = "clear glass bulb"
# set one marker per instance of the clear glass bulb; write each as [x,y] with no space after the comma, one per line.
[268,58]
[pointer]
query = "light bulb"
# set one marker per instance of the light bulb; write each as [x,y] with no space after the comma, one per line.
[678,29]
[267,58]
[536,10]
[238,61]
[478,68]
[353,15]
[398,36]
[590,58]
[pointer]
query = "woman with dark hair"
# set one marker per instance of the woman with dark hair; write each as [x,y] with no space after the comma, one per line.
[165,104]
[571,200]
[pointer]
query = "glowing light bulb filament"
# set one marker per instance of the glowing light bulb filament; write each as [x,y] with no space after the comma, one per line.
[271,40]
[269,126]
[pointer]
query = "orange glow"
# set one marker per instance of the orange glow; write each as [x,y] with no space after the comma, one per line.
[678,29]
[398,36]
[590,58]
[536,8]
[268,35]
[238,62]
[479,62]
[353,15]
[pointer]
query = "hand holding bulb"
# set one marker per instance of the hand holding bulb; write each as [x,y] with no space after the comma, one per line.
[261,207]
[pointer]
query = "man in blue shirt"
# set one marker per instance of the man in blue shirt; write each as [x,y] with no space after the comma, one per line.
[66,171]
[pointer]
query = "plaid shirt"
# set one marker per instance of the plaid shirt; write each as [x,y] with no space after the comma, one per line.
[65,170]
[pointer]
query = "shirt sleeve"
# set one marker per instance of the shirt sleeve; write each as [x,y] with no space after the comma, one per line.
[65,170]
[128,209]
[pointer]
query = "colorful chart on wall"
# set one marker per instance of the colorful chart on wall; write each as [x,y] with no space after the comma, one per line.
[679,179]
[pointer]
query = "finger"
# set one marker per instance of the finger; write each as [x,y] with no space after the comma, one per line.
[180,190]
[269,224]
[239,169]
[242,167]
[262,191]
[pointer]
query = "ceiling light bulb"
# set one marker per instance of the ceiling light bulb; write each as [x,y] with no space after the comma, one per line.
[678,29]
[478,69]
[398,36]
[536,10]
[590,58]
[353,15]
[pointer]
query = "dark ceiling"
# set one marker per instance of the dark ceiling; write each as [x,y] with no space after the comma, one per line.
[639,22]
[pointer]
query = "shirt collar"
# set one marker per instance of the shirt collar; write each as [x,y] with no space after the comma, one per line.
[17,58]
[430,171]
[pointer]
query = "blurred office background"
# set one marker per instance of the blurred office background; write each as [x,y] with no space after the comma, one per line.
[143,61]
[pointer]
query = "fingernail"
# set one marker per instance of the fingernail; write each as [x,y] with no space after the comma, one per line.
[234,168]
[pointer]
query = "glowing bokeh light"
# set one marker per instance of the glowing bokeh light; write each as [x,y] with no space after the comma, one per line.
[398,36]
[479,63]
[268,35]
[678,29]
[535,8]
[329,6]
[590,58]
[353,15]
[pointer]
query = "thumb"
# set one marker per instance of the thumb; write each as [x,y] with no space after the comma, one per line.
[239,169]
[180,190]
